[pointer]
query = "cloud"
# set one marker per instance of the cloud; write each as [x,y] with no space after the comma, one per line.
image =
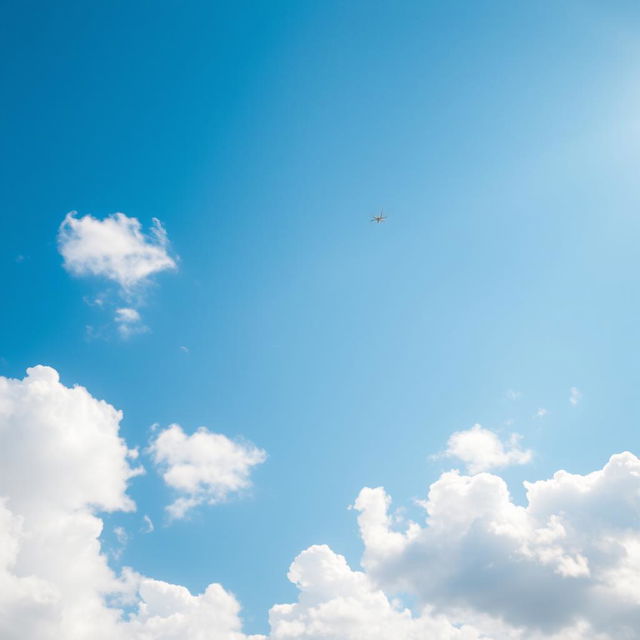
[565,565]
[204,467]
[62,462]
[338,603]
[45,424]
[121,535]
[122,538]
[542,412]
[513,395]
[170,612]
[481,449]
[129,322]
[575,395]
[148,525]
[114,248]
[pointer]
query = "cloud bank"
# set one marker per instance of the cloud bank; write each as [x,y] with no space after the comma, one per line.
[478,566]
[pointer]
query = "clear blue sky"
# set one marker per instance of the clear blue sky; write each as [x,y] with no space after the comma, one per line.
[502,140]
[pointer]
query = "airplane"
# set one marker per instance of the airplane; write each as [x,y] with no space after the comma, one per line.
[379,218]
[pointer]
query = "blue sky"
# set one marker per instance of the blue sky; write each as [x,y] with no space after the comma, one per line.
[500,138]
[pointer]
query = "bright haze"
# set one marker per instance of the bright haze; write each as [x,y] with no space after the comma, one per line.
[319,320]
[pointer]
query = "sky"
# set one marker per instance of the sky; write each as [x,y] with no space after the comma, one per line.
[187,191]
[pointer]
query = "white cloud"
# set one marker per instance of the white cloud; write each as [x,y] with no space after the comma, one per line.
[114,248]
[129,322]
[575,395]
[62,461]
[204,467]
[562,567]
[513,395]
[44,423]
[337,603]
[565,565]
[542,412]
[481,449]
[170,612]
[117,249]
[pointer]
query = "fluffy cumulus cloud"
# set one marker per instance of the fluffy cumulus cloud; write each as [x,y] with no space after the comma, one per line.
[115,248]
[63,463]
[170,612]
[481,450]
[203,467]
[565,565]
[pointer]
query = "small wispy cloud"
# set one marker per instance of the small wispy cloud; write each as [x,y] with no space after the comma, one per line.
[121,535]
[542,412]
[129,322]
[122,538]
[148,524]
[575,395]
[511,394]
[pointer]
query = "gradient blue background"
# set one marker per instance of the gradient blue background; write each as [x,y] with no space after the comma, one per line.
[502,139]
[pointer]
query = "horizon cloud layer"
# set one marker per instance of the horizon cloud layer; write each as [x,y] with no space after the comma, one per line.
[479,567]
